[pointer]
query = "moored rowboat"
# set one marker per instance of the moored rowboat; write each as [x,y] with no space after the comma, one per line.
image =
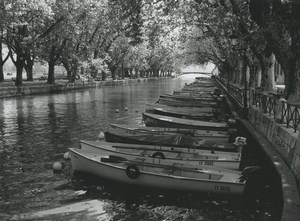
[194,157]
[140,172]
[190,103]
[207,94]
[155,120]
[177,150]
[210,135]
[176,140]
[187,109]
[189,98]
[183,114]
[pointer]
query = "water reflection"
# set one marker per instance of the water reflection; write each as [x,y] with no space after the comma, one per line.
[37,130]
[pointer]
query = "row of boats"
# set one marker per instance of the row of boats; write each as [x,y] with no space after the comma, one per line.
[187,144]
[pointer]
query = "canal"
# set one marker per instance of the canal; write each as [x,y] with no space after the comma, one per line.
[37,130]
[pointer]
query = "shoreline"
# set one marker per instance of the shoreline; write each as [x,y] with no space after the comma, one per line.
[8,90]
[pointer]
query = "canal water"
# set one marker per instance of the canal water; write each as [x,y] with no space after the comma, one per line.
[35,132]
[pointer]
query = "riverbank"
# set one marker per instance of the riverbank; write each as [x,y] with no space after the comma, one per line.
[279,150]
[7,89]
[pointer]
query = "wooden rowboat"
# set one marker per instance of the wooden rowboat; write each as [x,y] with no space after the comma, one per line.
[184,114]
[189,98]
[207,94]
[144,173]
[194,157]
[182,103]
[115,134]
[177,150]
[188,109]
[132,130]
[178,140]
[155,120]
[197,89]
[201,84]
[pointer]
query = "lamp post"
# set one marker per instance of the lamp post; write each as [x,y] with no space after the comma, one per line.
[245,85]
[234,43]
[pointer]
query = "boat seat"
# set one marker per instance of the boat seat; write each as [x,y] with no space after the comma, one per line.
[179,155]
[143,153]
[168,171]
[178,164]
[140,160]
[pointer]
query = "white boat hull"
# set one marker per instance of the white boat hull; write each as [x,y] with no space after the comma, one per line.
[178,181]
[155,120]
[222,160]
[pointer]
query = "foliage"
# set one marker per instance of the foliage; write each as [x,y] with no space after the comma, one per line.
[147,35]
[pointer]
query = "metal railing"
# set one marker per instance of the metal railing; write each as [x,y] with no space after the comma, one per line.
[276,106]
[270,103]
[234,90]
[237,92]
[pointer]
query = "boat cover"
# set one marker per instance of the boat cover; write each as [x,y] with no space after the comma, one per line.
[170,140]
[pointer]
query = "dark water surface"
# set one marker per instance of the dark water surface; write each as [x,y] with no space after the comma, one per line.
[37,130]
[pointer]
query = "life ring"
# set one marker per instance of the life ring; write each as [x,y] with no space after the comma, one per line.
[158,155]
[133,172]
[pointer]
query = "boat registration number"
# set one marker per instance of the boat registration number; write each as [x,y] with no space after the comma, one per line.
[149,120]
[130,132]
[206,163]
[222,188]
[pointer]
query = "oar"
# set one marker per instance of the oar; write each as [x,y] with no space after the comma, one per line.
[163,150]
[118,159]
[191,151]
[113,159]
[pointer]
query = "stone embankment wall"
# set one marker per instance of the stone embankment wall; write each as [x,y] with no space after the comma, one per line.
[278,149]
[283,139]
[40,88]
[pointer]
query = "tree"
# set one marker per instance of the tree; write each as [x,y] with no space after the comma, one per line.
[21,27]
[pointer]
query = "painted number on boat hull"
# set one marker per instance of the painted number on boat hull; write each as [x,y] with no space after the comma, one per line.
[152,121]
[130,132]
[206,163]
[222,188]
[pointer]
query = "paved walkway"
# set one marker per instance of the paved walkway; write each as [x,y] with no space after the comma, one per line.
[290,192]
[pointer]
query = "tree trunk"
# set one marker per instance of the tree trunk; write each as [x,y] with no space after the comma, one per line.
[268,78]
[74,71]
[103,76]
[293,89]
[248,75]
[2,61]
[29,71]
[1,58]
[130,73]
[1,73]
[258,84]
[69,75]
[137,73]
[122,72]
[240,74]
[51,67]
[68,69]
[253,77]
[294,77]
[19,66]
[113,72]
[28,65]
